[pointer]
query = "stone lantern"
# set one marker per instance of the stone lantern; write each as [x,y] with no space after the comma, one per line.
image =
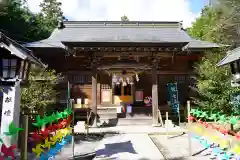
[15,62]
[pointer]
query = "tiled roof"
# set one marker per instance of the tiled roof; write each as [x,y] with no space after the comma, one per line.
[231,56]
[117,31]
[19,50]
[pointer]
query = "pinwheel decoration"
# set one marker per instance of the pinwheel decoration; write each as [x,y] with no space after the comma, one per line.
[205,143]
[8,151]
[58,130]
[36,137]
[51,128]
[59,115]
[224,144]
[39,122]
[44,156]
[47,144]
[214,117]
[12,130]
[217,151]
[52,152]
[222,119]
[203,115]
[233,120]
[190,118]
[63,142]
[226,156]
[236,149]
[38,150]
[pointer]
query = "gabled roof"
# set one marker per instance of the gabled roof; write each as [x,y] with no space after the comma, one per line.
[231,56]
[120,32]
[18,50]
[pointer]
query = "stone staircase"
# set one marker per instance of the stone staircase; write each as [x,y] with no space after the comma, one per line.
[108,116]
[135,120]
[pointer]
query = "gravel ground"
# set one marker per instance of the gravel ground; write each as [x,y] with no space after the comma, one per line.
[177,147]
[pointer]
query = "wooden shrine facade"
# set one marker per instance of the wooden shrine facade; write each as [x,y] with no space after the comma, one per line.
[90,72]
[109,63]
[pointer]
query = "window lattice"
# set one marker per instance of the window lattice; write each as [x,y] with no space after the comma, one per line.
[105,86]
[83,79]
[180,79]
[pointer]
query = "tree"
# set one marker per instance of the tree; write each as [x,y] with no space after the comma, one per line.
[23,26]
[213,83]
[40,95]
[51,13]
[29,26]
[124,18]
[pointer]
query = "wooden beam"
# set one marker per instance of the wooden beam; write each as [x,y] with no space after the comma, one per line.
[126,49]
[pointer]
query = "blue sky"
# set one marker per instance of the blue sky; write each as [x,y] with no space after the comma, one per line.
[136,10]
[197,5]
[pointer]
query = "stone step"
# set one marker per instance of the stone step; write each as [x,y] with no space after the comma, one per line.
[135,121]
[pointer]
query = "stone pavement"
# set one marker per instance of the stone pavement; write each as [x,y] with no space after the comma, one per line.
[143,129]
[128,146]
[177,147]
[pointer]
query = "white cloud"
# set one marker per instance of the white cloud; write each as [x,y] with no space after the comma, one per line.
[145,10]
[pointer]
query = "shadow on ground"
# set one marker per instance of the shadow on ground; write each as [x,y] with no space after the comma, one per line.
[115,148]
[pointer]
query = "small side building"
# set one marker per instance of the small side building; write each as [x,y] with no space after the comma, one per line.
[233,59]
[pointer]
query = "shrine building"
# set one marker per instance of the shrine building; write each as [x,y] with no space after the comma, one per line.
[109,63]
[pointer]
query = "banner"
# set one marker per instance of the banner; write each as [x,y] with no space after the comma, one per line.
[173,96]
[139,96]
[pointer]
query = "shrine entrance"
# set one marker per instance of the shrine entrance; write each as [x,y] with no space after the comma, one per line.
[124,77]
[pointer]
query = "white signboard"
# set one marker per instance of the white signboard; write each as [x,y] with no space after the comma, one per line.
[10,110]
[106,96]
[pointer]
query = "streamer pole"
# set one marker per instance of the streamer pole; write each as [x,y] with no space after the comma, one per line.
[73,145]
[189,122]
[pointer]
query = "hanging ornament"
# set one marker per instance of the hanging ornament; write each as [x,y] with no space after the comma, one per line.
[114,79]
[137,78]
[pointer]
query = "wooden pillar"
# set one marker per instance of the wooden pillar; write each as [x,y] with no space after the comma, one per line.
[98,92]
[154,94]
[133,92]
[113,90]
[94,95]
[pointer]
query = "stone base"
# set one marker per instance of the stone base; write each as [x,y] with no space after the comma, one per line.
[169,124]
[156,125]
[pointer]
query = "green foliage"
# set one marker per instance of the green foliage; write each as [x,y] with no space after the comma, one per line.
[214,83]
[51,13]
[40,94]
[124,18]
[22,25]
[203,27]
[19,23]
